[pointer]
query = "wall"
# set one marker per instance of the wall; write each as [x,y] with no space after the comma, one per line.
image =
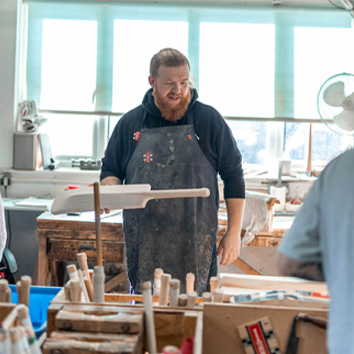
[9,10]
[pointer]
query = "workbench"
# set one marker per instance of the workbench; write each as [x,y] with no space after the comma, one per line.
[62,237]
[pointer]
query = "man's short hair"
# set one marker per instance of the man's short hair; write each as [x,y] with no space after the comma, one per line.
[168,57]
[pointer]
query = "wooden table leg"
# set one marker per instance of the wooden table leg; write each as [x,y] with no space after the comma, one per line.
[42,270]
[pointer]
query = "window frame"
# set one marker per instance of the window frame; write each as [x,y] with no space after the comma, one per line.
[187,12]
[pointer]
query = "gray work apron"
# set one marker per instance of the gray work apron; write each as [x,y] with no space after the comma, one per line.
[177,235]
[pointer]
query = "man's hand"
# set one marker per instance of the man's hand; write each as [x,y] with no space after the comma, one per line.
[109,181]
[229,247]
[230,244]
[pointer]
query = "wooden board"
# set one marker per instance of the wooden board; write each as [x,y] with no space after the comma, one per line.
[90,318]
[270,283]
[82,342]
[133,196]
[220,323]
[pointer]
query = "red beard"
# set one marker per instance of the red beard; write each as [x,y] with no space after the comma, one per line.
[172,113]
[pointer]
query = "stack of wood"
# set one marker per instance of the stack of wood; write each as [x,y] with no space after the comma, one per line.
[98,329]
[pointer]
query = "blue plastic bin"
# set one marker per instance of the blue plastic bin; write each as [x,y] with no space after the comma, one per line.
[40,298]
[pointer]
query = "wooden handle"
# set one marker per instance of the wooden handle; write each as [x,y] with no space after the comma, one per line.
[149,317]
[191,298]
[157,281]
[207,297]
[165,286]
[177,193]
[96,189]
[72,271]
[3,289]
[174,292]
[98,284]
[89,287]
[75,290]
[213,284]
[190,277]
[25,289]
[182,300]
[218,295]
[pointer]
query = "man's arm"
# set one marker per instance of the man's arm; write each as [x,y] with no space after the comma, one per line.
[306,270]
[230,244]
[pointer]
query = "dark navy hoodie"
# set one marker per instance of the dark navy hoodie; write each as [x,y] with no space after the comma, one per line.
[215,139]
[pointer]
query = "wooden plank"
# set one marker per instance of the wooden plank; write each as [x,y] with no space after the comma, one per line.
[100,319]
[239,263]
[270,283]
[72,346]
[80,342]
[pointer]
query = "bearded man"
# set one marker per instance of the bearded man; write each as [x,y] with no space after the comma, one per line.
[173,141]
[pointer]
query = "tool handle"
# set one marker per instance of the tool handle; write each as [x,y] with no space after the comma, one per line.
[318,321]
[177,193]
[98,223]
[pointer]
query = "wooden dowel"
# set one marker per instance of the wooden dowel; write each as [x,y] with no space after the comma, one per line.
[207,297]
[98,223]
[18,290]
[157,281]
[26,282]
[8,295]
[84,295]
[149,317]
[23,315]
[75,290]
[165,287]
[98,284]
[190,278]
[218,295]
[4,284]
[191,298]
[182,300]
[67,291]
[82,260]
[89,287]
[174,292]
[72,271]
[213,284]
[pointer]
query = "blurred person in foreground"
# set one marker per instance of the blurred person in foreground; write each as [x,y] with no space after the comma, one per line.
[320,246]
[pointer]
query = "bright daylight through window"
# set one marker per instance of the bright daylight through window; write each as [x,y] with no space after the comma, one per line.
[252,64]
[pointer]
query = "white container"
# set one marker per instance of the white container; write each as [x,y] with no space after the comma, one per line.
[280,194]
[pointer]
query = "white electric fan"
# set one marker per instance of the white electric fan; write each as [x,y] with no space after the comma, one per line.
[335,103]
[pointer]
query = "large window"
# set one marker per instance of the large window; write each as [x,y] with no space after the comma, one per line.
[252,64]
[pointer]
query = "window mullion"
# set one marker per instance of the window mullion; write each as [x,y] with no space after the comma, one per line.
[103,93]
